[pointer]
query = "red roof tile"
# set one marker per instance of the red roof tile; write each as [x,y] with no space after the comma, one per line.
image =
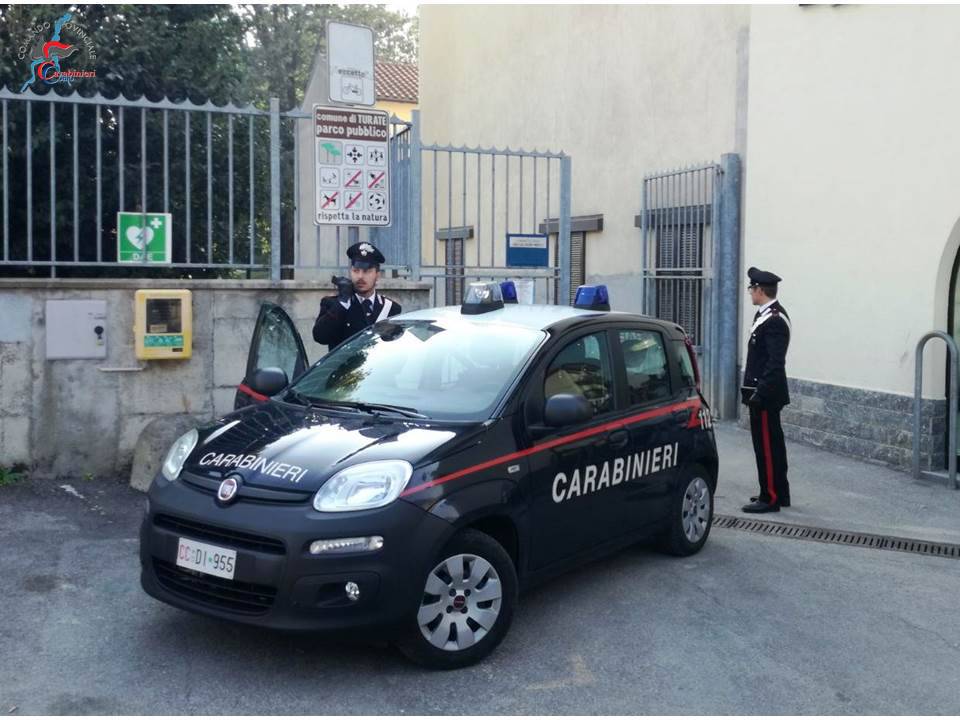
[398,82]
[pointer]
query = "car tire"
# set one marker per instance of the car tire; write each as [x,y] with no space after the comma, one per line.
[691,513]
[452,628]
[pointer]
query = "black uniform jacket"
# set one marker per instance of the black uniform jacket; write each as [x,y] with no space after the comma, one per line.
[765,371]
[335,323]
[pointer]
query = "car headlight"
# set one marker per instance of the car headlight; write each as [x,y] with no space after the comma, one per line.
[364,486]
[178,453]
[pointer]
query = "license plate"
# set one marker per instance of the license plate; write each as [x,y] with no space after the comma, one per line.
[205,558]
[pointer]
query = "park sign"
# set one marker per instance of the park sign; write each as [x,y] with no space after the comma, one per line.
[139,233]
[352,166]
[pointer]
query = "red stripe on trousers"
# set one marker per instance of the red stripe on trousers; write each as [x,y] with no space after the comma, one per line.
[768,456]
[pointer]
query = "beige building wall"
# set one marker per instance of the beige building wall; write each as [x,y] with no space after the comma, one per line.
[852,184]
[402,110]
[624,90]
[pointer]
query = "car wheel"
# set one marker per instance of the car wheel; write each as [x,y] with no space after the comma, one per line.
[691,513]
[468,601]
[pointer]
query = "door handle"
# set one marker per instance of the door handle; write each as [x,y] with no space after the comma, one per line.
[618,439]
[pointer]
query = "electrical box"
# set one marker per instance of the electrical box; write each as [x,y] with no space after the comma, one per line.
[76,329]
[163,324]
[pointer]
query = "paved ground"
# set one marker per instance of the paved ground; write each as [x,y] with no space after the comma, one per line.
[751,625]
[833,491]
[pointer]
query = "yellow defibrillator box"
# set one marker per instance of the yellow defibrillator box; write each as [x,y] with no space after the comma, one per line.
[163,324]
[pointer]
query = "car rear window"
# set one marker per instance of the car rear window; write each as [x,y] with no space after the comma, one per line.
[645,360]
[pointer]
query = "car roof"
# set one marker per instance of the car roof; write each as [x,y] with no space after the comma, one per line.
[533,317]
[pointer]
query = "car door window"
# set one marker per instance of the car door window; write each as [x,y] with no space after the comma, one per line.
[645,362]
[583,368]
[279,345]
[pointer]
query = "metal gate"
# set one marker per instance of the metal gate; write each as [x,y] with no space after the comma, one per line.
[677,223]
[474,200]
[453,210]
[690,228]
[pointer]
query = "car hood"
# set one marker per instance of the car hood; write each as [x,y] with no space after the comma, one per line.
[286,447]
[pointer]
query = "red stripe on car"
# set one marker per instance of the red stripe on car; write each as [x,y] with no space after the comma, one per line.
[694,404]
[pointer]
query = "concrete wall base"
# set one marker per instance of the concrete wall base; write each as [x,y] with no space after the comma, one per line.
[74,417]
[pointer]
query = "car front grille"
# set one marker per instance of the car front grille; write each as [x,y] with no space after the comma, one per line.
[223,536]
[220,593]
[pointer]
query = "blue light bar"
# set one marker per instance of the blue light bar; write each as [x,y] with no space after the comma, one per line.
[592,297]
[509,291]
[482,297]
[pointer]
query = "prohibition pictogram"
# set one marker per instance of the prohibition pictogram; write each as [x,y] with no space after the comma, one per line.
[330,201]
[375,179]
[353,178]
[354,200]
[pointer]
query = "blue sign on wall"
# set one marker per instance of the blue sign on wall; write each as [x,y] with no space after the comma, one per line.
[527,250]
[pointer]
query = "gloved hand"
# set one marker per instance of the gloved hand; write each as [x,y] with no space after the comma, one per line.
[344,287]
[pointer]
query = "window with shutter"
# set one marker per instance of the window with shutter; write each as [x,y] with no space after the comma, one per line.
[678,299]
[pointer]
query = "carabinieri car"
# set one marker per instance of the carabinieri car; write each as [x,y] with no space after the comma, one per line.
[413,481]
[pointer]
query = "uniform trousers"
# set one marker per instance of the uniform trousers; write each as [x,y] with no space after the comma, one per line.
[771,452]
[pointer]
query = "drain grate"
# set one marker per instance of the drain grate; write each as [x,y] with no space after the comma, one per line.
[839,537]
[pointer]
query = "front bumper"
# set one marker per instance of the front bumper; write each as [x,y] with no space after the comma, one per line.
[277,582]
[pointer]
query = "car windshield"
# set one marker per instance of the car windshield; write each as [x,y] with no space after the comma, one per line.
[445,370]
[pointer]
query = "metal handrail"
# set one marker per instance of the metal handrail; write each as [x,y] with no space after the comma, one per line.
[954,391]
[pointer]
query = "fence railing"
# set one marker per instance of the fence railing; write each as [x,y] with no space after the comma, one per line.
[215,169]
[234,182]
[677,222]
[476,199]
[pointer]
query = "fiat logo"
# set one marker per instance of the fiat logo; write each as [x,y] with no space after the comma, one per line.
[228,489]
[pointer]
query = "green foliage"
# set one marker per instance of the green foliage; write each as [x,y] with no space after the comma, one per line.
[217,52]
[11,475]
[240,53]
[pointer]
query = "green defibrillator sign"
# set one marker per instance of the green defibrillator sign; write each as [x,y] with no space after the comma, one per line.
[139,233]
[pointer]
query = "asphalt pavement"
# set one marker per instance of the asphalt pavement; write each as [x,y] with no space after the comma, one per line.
[751,625]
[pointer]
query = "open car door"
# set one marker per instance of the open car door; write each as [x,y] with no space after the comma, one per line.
[276,343]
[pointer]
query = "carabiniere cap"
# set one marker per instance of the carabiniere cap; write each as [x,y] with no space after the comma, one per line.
[762,277]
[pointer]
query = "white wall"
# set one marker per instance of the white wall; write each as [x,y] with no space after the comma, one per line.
[625,90]
[851,183]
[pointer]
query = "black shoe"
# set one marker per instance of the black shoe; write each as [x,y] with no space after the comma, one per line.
[783,503]
[761,507]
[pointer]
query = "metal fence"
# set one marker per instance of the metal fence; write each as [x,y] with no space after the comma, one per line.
[690,229]
[677,220]
[215,169]
[474,199]
[233,181]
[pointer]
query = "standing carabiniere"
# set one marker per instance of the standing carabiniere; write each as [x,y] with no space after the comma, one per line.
[765,392]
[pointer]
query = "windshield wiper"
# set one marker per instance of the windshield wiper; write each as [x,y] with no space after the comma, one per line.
[300,398]
[376,407]
[354,405]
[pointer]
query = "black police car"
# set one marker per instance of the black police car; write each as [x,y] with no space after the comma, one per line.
[415,479]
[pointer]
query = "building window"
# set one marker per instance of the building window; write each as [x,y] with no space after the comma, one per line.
[453,271]
[580,225]
[454,241]
[678,299]
[578,262]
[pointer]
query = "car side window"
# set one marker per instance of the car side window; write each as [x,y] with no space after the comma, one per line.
[583,368]
[278,343]
[645,361]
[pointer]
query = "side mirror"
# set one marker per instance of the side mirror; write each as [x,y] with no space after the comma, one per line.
[565,409]
[268,380]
